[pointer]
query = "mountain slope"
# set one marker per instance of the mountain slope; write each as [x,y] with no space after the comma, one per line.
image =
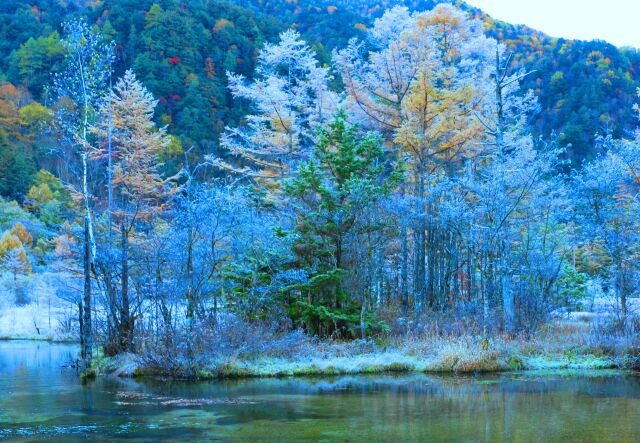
[181,51]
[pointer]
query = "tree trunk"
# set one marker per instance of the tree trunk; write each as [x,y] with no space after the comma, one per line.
[126,331]
[81,329]
[191,302]
[485,313]
[623,303]
[336,290]
[87,339]
[110,168]
[485,299]
[419,240]
[621,291]
[112,313]
[363,317]
[508,308]
[404,270]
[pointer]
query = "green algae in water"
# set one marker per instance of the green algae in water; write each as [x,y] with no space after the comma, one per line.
[488,382]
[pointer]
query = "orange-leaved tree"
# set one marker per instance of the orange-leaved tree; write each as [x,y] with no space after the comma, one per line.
[140,192]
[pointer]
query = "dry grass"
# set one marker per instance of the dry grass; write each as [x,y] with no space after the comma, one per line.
[567,344]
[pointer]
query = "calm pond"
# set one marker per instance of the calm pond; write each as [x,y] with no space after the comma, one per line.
[41,400]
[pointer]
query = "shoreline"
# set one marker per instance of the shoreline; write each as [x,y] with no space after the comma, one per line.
[131,367]
[41,339]
[446,357]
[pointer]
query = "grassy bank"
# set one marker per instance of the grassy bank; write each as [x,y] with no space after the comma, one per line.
[561,346]
[453,359]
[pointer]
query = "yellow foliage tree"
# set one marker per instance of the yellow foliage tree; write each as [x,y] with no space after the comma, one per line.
[13,254]
[222,23]
[38,195]
[421,87]
[34,114]
[22,234]
[140,190]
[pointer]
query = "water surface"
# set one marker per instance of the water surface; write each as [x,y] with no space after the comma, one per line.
[41,400]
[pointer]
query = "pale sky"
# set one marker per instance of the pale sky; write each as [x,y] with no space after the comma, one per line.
[615,21]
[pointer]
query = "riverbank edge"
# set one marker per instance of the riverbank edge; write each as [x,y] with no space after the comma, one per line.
[131,366]
[44,339]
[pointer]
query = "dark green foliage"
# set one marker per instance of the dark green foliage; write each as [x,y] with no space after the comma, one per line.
[243,287]
[21,20]
[343,179]
[16,171]
[585,88]
[572,286]
[181,52]
[34,61]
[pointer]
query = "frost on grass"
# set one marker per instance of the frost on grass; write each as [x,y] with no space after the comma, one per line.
[42,314]
[273,354]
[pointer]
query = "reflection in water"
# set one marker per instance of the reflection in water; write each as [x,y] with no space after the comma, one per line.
[41,400]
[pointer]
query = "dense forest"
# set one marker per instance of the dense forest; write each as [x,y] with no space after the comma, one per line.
[195,170]
[181,51]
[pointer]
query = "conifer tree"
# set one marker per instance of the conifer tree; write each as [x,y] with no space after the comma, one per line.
[330,193]
[290,97]
[140,192]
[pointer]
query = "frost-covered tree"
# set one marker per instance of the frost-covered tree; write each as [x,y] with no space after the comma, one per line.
[289,99]
[379,75]
[13,249]
[79,88]
[512,210]
[140,192]
[507,147]
[607,207]
[418,81]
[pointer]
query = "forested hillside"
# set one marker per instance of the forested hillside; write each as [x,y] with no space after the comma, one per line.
[183,179]
[182,50]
